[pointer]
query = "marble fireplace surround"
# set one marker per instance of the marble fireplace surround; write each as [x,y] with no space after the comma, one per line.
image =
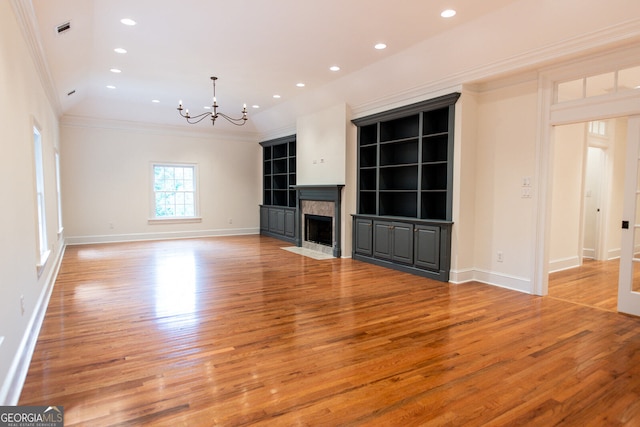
[322,200]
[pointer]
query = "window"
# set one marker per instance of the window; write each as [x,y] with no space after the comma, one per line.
[43,251]
[613,82]
[174,191]
[58,193]
[598,127]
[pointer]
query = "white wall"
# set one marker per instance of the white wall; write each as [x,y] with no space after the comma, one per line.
[565,246]
[505,154]
[107,182]
[616,164]
[321,146]
[464,188]
[22,103]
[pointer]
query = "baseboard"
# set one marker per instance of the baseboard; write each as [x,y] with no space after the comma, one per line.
[461,276]
[169,235]
[12,387]
[564,264]
[500,280]
[613,254]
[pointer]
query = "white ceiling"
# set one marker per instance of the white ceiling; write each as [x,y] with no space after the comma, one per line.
[257,48]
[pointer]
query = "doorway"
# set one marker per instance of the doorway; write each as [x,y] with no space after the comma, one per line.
[586,211]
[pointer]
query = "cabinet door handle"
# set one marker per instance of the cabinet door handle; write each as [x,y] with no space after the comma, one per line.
[391,227]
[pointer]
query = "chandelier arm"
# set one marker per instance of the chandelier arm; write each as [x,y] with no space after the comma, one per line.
[238,122]
[197,119]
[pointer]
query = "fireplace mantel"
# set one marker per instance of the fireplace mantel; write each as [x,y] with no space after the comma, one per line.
[328,193]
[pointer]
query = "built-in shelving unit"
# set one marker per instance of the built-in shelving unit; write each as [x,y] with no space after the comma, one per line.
[405,173]
[278,209]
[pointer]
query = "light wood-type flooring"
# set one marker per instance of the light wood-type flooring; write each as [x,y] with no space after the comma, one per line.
[235,331]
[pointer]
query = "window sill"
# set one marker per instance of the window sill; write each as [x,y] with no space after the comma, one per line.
[174,220]
[43,261]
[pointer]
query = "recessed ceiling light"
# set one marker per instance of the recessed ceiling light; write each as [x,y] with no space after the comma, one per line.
[115,70]
[111,87]
[380,46]
[277,96]
[127,21]
[255,106]
[207,107]
[334,68]
[155,101]
[448,13]
[120,50]
[300,84]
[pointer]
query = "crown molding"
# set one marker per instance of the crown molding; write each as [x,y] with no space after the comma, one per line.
[27,21]
[617,35]
[280,132]
[68,121]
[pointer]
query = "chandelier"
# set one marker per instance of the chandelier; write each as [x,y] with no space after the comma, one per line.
[213,114]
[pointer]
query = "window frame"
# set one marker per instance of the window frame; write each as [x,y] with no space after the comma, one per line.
[153,219]
[42,241]
[58,193]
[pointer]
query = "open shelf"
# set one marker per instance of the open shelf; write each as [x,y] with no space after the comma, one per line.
[399,178]
[396,203]
[399,153]
[368,135]
[368,179]
[402,128]
[404,160]
[435,148]
[433,205]
[279,171]
[436,121]
[434,176]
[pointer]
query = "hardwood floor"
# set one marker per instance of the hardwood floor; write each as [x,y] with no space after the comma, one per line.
[594,283]
[236,331]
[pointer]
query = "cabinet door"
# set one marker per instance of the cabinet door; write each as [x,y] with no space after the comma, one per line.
[364,236]
[402,242]
[264,218]
[382,239]
[427,247]
[289,223]
[276,221]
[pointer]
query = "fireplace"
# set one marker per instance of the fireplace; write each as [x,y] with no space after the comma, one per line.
[318,229]
[319,218]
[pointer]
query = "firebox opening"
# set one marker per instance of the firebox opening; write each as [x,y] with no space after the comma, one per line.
[318,229]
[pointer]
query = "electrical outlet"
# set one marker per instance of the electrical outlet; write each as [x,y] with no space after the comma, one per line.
[230,221]
[111,226]
[1,339]
[22,304]
[500,256]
